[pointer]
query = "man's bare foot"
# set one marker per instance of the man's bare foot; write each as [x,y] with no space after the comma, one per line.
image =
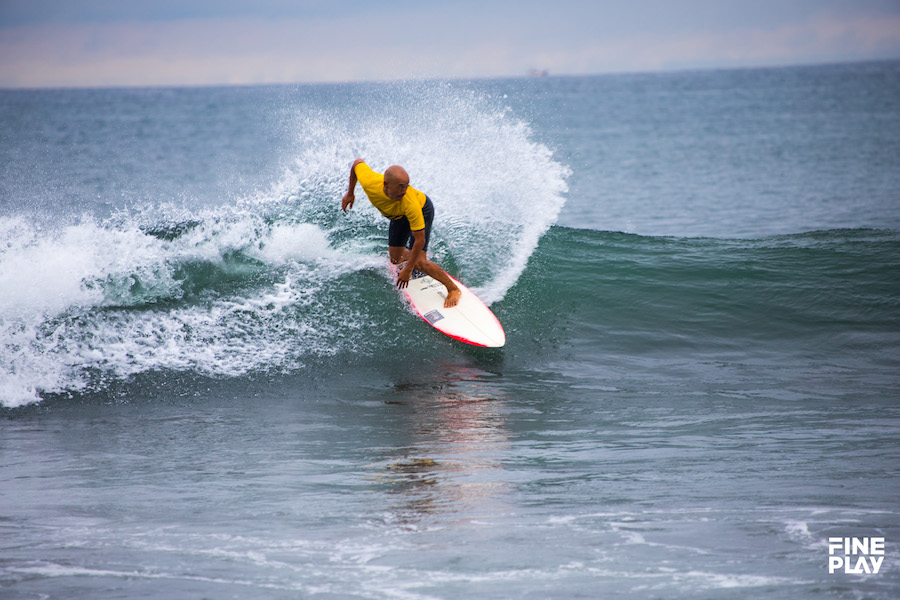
[452,298]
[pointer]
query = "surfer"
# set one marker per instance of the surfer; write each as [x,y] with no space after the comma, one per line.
[411,213]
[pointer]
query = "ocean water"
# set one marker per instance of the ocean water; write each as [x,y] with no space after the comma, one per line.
[210,389]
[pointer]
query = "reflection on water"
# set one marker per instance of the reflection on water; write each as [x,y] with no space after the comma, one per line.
[457,435]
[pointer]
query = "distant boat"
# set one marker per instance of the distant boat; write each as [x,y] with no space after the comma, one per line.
[538,72]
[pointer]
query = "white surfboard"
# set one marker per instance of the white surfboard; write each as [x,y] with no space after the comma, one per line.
[470,321]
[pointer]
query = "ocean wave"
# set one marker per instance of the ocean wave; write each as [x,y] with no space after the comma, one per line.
[282,277]
[223,298]
[832,294]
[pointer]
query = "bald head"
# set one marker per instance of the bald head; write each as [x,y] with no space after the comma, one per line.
[396,174]
[396,180]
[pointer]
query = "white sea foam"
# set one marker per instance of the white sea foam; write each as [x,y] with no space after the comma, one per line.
[63,295]
[708,580]
[299,242]
[46,274]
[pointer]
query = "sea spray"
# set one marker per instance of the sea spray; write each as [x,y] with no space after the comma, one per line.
[496,190]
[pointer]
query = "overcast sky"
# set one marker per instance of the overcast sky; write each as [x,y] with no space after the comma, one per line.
[197,42]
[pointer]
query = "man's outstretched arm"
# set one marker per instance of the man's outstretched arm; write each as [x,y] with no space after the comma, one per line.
[350,197]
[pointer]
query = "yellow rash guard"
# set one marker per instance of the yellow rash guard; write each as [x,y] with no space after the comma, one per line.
[410,206]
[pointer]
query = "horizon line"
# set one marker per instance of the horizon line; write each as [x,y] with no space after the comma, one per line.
[544,74]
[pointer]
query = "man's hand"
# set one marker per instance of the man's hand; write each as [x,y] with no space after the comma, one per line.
[350,197]
[347,201]
[403,277]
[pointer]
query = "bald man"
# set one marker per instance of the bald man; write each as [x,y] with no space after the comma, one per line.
[411,213]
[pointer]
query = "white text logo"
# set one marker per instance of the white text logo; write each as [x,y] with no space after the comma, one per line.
[855,555]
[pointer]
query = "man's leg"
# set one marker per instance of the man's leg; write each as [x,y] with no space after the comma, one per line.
[433,270]
[399,233]
[398,254]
